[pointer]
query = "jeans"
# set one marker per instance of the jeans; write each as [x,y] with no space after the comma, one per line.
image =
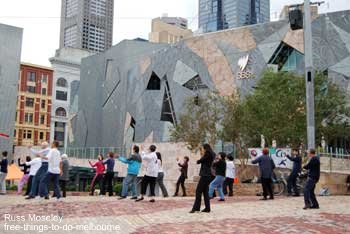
[292,183]
[217,183]
[129,179]
[160,180]
[37,178]
[22,182]
[228,183]
[44,183]
[3,182]
[202,188]
[267,187]
[181,181]
[152,183]
[29,185]
[108,179]
[309,193]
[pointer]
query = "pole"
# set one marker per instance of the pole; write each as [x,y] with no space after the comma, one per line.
[309,77]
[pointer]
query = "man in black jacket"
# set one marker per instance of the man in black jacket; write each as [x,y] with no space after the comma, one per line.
[292,179]
[313,176]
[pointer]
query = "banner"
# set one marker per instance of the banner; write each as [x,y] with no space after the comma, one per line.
[278,155]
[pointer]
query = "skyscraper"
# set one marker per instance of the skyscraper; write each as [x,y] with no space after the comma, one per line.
[87,24]
[216,15]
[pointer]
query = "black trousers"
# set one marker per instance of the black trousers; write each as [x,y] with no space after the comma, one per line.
[202,188]
[228,183]
[97,179]
[267,187]
[309,193]
[292,183]
[152,183]
[63,187]
[108,179]
[181,181]
[29,185]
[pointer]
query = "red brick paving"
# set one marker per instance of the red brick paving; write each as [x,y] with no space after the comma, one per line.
[325,223]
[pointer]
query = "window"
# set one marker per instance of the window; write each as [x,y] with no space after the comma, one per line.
[31,76]
[61,95]
[41,136]
[29,102]
[31,89]
[14,133]
[195,84]
[43,104]
[27,134]
[43,91]
[61,112]
[61,82]
[42,119]
[44,78]
[28,118]
[154,82]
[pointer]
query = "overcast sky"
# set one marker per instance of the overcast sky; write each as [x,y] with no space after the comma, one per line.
[132,18]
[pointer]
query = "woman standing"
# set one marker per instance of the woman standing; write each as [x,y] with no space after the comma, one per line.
[64,173]
[183,168]
[100,168]
[25,176]
[220,169]
[205,178]
[160,177]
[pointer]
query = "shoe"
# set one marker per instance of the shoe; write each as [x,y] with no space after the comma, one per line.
[175,195]
[314,207]
[121,197]
[152,200]
[47,198]
[296,195]
[140,199]
[263,199]
[29,197]
[133,198]
[221,200]
[166,196]
[271,198]
[306,207]
[193,211]
[230,195]
[184,195]
[205,211]
[289,195]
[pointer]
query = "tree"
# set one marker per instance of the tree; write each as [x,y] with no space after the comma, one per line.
[199,122]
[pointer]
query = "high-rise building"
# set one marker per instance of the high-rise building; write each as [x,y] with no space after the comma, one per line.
[216,15]
[169,30]
[285,11]
[33,115]
[87,24]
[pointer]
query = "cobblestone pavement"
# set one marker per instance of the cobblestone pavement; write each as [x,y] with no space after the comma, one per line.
[170,215]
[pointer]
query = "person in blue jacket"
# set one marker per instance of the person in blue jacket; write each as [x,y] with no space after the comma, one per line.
[292,179]
[134,165]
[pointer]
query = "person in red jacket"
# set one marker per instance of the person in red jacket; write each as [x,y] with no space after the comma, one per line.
[98,178]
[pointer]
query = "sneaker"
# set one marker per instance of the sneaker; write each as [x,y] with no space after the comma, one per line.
[152,200]
[29,197]
[140,199]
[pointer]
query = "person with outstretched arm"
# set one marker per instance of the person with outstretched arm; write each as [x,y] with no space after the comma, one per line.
[183,176]
[98,178]
[292,179]
[25,176]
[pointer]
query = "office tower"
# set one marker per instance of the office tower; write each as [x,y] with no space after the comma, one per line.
[216,15]
[169,30]
[87,24]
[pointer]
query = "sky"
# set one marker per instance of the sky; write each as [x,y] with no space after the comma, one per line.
[40,20]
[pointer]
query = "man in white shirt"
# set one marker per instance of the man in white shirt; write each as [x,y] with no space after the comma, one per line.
[41,171]
[53,172]
[151,172]
[230,175]
[34,164]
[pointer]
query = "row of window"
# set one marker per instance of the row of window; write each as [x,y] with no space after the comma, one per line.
[30,103]
[28,134]
[28,118]
[32,89]
[31,77]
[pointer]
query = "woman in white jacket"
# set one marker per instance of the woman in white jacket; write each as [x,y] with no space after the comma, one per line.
[151,175]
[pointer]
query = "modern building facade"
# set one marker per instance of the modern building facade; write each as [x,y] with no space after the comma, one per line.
[10,55]
[87,24]
[285,11]
[33,116]
[215,15]
[169,30]
[135,91]
[66,77]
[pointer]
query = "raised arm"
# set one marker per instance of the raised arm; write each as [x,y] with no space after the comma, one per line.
[257,160]
[204,158]
[20,164]
[124,160]
[92,165]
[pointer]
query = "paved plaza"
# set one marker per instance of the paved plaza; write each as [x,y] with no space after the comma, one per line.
[170,215]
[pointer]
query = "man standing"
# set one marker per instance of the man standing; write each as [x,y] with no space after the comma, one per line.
[42,170]
[313,176]
[3,172]
[53,172]
[292,179]
[108,179]
[266,166]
